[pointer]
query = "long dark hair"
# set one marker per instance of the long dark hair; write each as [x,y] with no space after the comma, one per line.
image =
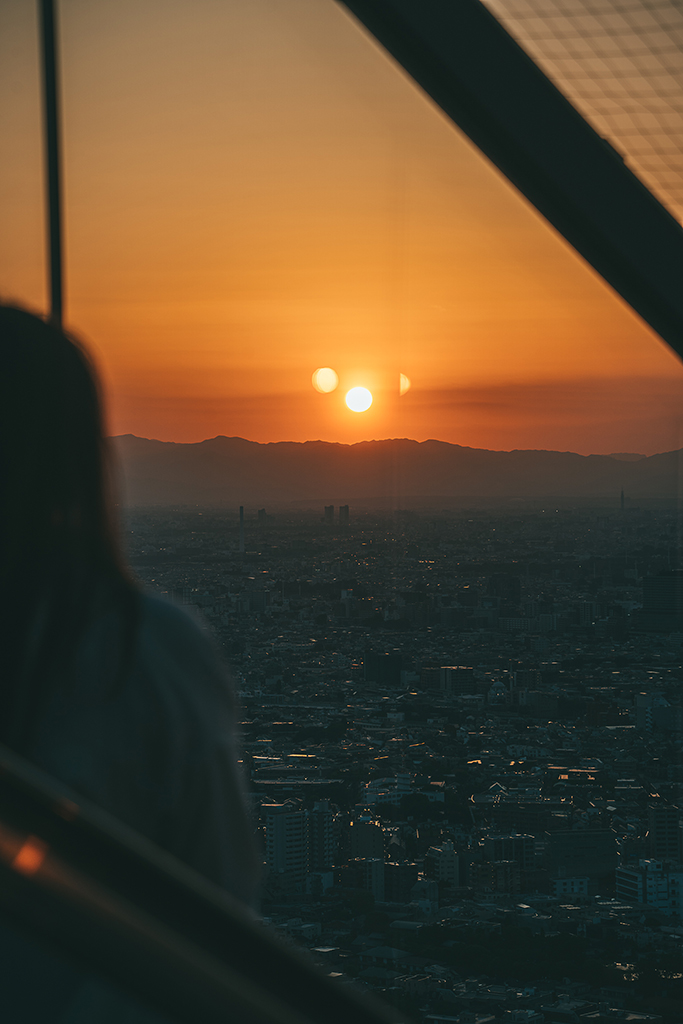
[59,552]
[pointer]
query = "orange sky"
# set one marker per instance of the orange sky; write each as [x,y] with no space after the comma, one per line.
[254,190]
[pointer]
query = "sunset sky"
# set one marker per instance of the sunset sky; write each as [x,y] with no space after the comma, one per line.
[254,190]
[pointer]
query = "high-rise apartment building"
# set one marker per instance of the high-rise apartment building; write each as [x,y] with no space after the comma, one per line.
[503,876]
[516,847]
[320,835]
[370,874]
[650,882]
[299,842]
[366,839]
[456,679]
[442,863]
[664,831]
[286,845]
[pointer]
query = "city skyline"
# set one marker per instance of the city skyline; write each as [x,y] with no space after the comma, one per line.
[461,731]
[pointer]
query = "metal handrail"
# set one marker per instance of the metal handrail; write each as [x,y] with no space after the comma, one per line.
[77,878]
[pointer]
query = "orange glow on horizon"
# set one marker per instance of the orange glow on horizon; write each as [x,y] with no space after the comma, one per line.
[252,194]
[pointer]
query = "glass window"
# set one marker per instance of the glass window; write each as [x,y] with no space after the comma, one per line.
[453,605]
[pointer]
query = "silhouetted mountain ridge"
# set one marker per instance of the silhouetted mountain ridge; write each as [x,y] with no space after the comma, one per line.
[233,470]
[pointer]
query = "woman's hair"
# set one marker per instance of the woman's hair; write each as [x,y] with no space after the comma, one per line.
[59,553]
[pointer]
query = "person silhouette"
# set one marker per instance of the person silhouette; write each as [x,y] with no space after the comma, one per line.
[117,694]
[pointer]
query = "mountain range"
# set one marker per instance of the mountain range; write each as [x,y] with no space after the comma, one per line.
[232,471]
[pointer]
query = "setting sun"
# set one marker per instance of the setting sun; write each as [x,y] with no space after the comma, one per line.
[363,238]
[358,399]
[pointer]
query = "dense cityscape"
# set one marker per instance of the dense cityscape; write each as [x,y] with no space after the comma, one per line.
[463,737]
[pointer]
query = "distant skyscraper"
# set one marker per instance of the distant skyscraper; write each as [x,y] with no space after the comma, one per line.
[329,514]
[343,515]
[262,517]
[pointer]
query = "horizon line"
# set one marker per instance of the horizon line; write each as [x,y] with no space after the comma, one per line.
[619,456]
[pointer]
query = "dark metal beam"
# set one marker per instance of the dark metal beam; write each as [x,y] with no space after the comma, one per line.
[469,65]
[48,35]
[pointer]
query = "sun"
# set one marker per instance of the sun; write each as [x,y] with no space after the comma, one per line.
[358,399]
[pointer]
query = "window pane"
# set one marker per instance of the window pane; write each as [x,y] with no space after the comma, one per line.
[453,614]
[22,274]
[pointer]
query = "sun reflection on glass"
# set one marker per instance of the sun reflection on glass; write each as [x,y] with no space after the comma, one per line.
[324,379]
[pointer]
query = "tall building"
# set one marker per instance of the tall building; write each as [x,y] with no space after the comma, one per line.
[399,879]
[329,515]
[516,847]
[366,839]
[497,876]
[651,883]
[442,863]
[299,842]
[664,831]
[321,837]
[371,875]
[343,515]
[457,679]
[286,845]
